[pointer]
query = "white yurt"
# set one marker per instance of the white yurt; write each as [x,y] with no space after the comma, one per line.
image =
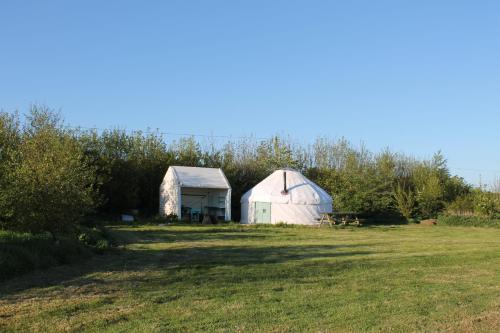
[285,196]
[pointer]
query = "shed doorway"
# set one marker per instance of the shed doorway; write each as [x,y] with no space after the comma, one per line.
[262,212]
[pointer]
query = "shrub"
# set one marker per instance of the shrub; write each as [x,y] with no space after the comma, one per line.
[485,203]
[468,221]
[405,201]
[478,203]
[102,245]
[462,205]
[97,239]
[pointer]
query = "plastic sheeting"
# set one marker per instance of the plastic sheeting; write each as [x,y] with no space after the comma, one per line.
[170,195]
[200,177]
[303,204]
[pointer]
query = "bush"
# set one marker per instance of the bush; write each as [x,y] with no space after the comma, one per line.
[485,203]
[468,221]
[476,203]
[462,205]
[405,201]
[102,245]
[96,238]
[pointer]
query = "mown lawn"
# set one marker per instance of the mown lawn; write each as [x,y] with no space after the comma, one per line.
[269,279]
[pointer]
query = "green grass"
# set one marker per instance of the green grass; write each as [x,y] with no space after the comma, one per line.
[24,252]
[233,278]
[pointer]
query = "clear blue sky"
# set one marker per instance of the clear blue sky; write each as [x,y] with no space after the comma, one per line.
[415,76]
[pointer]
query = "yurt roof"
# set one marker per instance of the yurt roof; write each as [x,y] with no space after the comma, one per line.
[301,190]
[200,177]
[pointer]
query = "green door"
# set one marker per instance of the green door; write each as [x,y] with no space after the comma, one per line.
[262,212]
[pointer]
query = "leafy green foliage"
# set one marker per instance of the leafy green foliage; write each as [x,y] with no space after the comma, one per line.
[429,180]
[47,182]
[63,175]
[477,202]
[95,238]
[131,168]
[462,205]
[485,203]
[405,200]
[468,221]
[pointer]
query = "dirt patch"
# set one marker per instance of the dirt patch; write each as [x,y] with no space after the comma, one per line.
[429,222]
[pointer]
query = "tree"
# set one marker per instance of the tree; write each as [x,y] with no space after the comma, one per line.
[10,139]
[485,203]
[48,184]
[405,200]
[276,153]
[429,178]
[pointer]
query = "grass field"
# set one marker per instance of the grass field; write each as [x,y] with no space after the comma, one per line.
[269,279]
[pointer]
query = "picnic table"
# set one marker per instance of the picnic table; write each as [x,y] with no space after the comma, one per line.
[340,218]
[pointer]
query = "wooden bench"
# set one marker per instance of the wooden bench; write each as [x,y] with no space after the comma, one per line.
[339,218]
[327,219]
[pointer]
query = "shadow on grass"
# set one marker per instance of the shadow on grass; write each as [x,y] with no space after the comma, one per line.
[242,263]
[190,235]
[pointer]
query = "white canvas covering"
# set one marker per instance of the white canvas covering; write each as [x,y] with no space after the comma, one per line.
[303,204]
[200,177]
[207,183]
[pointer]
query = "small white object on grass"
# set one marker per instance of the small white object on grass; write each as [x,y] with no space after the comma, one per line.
[127,218]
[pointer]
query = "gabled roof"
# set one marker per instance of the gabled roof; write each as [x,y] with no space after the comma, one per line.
[200,177]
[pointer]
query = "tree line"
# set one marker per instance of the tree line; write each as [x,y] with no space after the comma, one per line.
[51,176]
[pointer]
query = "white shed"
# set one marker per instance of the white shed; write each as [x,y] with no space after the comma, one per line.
[191,192]
[285,196]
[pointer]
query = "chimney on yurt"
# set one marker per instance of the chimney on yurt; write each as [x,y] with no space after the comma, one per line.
[285,191]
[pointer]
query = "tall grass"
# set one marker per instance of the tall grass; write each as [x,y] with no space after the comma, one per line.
[24,252]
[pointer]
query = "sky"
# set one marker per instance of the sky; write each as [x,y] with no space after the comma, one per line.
[413,76]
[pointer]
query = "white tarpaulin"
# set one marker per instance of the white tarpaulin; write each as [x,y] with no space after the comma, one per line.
[208,184]
[303,203]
